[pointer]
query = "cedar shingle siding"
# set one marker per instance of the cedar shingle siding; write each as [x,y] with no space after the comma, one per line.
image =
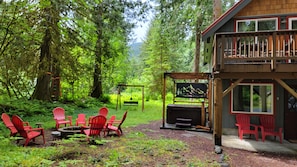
[267,7]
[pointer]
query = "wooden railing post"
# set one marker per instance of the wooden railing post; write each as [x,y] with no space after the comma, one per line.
[203,114]
[223,40]
[273,59]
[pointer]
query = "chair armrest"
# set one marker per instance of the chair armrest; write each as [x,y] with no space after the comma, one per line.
[255,126]
[117,121]
[26,123]
[85,127]
[35,129]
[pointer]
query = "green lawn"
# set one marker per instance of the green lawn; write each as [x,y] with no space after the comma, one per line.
[133,149]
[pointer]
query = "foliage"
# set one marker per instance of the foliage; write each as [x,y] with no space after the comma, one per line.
[95,34]
[24,107]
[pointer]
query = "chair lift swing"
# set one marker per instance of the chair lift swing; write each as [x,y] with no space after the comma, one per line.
[130,101]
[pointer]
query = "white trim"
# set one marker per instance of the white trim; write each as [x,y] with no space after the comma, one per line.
[290,22]
[251,99]
[256,22]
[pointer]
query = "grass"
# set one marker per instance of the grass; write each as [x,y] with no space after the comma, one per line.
[133,149]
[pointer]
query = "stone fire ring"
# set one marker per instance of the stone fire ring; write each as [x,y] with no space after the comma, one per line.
[69,130]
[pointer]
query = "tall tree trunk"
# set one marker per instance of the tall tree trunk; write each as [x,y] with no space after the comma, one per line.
[197,46]
[97,82]
[217,9]
[49,62]
[42,88]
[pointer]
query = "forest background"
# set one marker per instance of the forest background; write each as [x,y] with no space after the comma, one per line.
[69,50]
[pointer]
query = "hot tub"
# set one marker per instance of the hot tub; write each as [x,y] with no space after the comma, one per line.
[192,112]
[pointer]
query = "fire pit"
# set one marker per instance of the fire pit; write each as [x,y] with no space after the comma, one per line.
[69,130]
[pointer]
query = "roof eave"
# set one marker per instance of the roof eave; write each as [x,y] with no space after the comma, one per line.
[229,14]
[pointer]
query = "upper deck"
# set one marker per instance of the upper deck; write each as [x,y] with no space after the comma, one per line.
[256,52]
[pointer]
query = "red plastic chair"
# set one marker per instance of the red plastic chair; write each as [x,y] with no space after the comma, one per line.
[7,122]
[109,123]
[59,117]
[245,127]
[103,111]
[28,134]
[81,120]
[117,129]
[268,127]
[98,124]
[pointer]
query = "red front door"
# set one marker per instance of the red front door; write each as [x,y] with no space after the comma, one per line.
[290,125]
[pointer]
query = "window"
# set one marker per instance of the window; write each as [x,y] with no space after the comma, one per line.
[293,23]
[252,25]
[252,98]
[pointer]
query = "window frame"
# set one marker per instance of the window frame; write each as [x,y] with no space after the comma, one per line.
[291,19]
[256,23]
[252,112]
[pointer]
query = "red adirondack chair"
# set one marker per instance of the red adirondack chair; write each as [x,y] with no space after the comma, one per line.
[245,127]
[59,117]
[98,123]
[81,120]
[268,127]
[116,125]
[28,134]
[103,111]
[109,123]
[7,122]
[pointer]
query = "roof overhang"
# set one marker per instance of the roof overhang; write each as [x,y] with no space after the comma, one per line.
[223,19]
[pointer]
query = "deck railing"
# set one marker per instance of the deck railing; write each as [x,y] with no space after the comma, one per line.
[255,48]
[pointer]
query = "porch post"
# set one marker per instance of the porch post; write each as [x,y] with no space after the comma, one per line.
[218,97]
[210,103]
[164,99]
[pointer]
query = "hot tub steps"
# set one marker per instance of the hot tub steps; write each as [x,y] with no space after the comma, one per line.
[183,122]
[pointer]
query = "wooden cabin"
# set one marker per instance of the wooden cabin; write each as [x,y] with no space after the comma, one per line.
[254,64]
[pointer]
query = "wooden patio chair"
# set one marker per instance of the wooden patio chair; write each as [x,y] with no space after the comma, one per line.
[97,125]
[103,111]
[59,117]
[268,127]
[7,122]
[81,120]
[116,125]
[109,123]
[245,127]
[28,134]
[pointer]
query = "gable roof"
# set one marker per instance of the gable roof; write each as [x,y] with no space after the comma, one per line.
[229,14]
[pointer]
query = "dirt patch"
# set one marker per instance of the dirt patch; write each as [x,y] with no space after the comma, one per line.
[203,148]
[200,148]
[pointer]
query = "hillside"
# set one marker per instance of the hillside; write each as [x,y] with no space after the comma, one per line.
[135,49]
